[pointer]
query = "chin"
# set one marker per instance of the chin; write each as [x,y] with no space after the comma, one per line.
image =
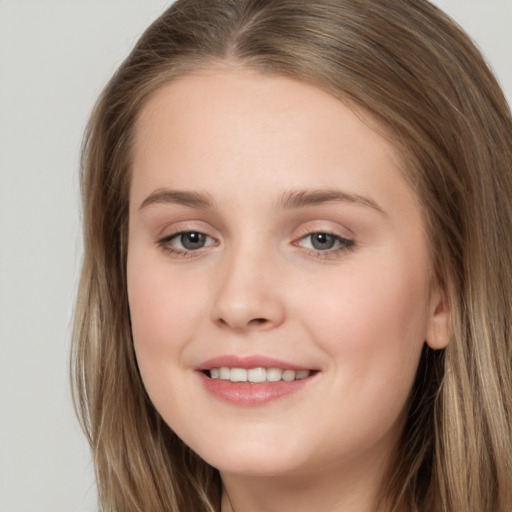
[270,466]
[253,458]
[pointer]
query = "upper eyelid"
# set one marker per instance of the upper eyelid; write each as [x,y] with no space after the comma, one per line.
[187,226]
[338,230]
[344,242]
[343,239]
[175,234]
[303,230]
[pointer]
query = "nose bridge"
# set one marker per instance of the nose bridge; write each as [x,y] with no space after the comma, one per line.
[248,293]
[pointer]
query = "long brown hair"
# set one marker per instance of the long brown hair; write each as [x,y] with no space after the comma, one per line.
[418,75]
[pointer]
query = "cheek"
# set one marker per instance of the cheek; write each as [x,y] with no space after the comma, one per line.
[162,311]
[373,322]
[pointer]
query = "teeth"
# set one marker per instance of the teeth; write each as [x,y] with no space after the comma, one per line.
[274,374]
[238,375]
[289,375]
[256,375]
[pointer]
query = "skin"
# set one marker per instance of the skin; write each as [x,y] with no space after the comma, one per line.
[358,313]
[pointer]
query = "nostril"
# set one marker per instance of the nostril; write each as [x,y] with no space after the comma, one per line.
[258,321]
[242,324]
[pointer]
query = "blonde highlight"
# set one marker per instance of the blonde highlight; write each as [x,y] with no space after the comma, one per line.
[412,70]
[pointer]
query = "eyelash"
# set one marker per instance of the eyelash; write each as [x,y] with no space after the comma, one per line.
[342,245]
[166,244]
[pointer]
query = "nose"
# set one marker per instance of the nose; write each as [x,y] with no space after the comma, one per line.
[249,295]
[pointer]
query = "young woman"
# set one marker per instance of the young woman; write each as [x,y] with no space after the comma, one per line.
[297,283]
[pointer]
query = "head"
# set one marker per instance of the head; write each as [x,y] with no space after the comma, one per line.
[418,82]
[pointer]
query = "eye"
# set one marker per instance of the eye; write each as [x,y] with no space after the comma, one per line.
[186,241]
[191,240]
[324,242]
[321,241]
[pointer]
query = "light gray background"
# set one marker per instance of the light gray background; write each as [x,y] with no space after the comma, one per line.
[55,56]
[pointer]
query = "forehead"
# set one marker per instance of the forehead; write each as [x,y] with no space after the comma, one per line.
[220,95]
[226,128]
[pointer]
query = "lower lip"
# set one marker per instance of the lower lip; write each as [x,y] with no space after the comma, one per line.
[248,394]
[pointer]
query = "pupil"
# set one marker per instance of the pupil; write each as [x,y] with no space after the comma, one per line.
[192,240]
[323,241]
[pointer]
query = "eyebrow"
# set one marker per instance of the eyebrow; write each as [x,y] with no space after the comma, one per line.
[292,199]
[192,199]
[301,198]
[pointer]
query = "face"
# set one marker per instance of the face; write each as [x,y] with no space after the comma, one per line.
[278,275]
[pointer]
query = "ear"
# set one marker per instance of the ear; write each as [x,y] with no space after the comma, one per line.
[438,329]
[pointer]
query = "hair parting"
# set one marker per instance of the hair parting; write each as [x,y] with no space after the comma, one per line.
[417,77]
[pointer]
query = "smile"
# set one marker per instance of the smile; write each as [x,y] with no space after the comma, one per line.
[257,375]
[254,380]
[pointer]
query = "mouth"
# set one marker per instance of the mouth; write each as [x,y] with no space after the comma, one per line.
[253,380]
[256,375]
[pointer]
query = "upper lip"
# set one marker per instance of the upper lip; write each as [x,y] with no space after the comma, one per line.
[252,361]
